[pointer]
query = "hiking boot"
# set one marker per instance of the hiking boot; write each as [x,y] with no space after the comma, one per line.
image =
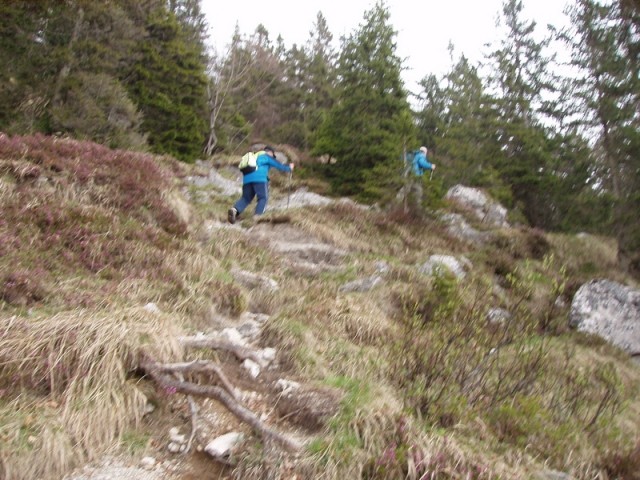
[232,214]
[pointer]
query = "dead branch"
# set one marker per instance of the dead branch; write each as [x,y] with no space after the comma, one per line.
[200,366]
[209,391]
[240,352]
[194,415]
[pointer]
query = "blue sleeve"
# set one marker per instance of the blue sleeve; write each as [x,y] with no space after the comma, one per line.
[424,163]
[280,166]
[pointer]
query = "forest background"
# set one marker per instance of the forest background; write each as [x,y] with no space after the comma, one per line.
[557,144]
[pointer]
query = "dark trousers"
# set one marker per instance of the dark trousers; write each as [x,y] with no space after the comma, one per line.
[250,190]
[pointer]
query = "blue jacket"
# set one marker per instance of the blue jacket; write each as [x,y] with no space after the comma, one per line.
[264,162]
[420,164]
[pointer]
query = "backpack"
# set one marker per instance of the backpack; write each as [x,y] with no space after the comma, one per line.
[408,161]
[248,162]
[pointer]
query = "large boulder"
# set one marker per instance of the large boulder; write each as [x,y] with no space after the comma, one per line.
[609,310]
[484,208]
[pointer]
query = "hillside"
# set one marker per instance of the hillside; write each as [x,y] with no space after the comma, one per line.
[323,332]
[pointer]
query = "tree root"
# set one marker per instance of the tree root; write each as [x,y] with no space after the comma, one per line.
[161,373]
[242,353]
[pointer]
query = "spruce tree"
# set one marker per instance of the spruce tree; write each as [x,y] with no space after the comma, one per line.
[458,122]
[519,77]
[606,52]
[169,86]
[371,119]
[319,80]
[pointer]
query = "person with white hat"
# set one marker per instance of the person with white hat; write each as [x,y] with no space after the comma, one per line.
[420,165]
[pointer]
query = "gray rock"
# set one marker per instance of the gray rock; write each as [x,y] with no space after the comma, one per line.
[382,267]
[217,181]
[253,281]
[498,315]
[300,198]
[437,263]
[552,475]
[482,206]
[609,310]
[458,227]
[362,284]
[221,447]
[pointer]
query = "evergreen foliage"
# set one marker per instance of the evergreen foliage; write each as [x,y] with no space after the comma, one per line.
[69,70]
[368,124]
[169,85]
[606,48]
[320,79]
[519,76]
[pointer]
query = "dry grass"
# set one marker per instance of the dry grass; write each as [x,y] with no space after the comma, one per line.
[71,395]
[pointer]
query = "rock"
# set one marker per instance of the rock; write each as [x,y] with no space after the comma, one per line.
[221,447]
[482,207]
[458,228]
[148,462]
[436,263]
[233,336]
[286,386]
[152,308]
[309,407]
[498,315]
[300,198]
[267,355]
[609,310]
[174,447]
[249,329]
[214,179]
[176,437]
[382,267]
[252,367]
[253,281]
[148,408]
[362,284]
[552,475]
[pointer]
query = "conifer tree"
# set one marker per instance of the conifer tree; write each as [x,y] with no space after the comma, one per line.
[27,66]
[320,78]
[169,86]
[519,75]
[457,122]
[290,98]
[606,51]
[366,128]
[63,64]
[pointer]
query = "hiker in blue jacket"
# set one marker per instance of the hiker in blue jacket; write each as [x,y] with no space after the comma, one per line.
[420,165]
[256,183]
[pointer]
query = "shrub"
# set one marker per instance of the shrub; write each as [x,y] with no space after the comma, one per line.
[22,288]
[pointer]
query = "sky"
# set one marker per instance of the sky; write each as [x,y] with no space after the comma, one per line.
[424,28]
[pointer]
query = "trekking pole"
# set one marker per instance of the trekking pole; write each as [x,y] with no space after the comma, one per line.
[289,189]
[431,176]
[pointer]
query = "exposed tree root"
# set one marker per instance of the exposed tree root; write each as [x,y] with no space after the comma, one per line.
[159,373]
[194,416]
[199,366]
[240,352]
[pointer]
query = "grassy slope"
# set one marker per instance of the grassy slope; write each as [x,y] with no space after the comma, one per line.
[88,236]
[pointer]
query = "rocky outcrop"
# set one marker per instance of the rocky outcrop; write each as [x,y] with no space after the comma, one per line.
[483,208]
[609,310]
[458,227]
[300,198]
